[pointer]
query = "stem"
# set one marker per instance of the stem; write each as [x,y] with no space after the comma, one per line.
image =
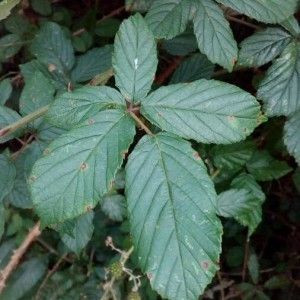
[243,22]
[246,257]
[22,122]
[215,174]
[17,255]
[143,126]
[49,274]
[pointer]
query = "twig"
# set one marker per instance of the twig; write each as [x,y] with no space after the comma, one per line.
[167,73]
[243,22]
[221,285]
[49,274]
[22,122]
[143,126]
[246,257]
[17,255]
[113,13]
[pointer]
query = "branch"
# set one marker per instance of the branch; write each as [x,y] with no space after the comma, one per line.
[22,122]
[140,123]
[17,255]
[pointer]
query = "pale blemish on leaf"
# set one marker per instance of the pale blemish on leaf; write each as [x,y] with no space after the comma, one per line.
[136,63]
[47,151]
[51,68]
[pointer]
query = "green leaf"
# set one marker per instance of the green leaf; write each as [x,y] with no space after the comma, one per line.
[269,11]
[264,167]
[6,6]
[5,90]
[277,282]
[88,65]
[248,182]
[7,176]
[53,48]
[10,45]
[81,234]
[46,133]
[263,46]
[74,107]
[37,92]
[24,279]
[43,7]
[195,67]
[77,169]
[172,205]
[134,58]
[291,24]
[291,135]
[29,69]
[234,156]
[236,203]
[19,195]
[253,218]
[181,45]
[114,206]
[162,14]
[208,111]
[253,267]
[16,23]
[214,36]
[7,117]
[280,88]
[107,28]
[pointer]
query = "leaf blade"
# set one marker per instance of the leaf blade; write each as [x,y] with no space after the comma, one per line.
[71,108]
[291,135]
[164,212]
[280,88]
[162,14]
[134,58]
[271,11]
[214,36]
[202,109]
[81,165]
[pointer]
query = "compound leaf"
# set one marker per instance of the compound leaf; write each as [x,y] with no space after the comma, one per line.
[280,88]
[264,45]
[208,111]
[214,36]
[291,135]
[134,59]
[77,169]
[71,108]
[53,48]
[162,14]
[172,212]
[267,11]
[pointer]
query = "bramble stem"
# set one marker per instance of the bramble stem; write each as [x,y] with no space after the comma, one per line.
[22,122]
[143,126]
